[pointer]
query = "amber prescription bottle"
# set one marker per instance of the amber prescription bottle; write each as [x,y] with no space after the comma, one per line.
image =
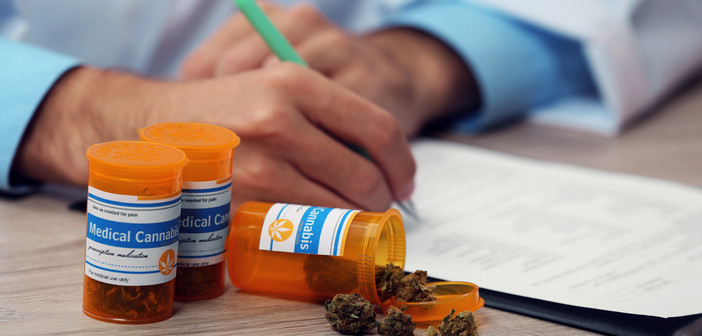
[132,231]
[207,187]
[312,251]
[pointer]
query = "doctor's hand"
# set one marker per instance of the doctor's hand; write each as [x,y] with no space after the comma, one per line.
[411,74]
[293,123]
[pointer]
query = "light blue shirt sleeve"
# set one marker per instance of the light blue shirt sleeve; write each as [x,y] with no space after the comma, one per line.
[26,75]
[516,66]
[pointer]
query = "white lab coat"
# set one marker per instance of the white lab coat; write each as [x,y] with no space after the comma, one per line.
[638,52]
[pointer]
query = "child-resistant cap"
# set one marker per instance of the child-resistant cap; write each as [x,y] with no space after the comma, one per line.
[201,142]
[132,158]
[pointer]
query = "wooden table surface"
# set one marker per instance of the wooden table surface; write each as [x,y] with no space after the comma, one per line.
[42,242]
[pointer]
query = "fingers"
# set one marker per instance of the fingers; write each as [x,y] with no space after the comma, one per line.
[236,47]
[249,52]
[357,121]
[203,62]
[352,119]
[260,177]
[328,52]
[280,130]
[329,162]
[301,122]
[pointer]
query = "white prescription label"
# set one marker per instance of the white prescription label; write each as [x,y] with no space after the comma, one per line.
[204,222]
[306,229]
[129,241]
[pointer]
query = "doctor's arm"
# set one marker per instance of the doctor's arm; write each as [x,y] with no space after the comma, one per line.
[293,148]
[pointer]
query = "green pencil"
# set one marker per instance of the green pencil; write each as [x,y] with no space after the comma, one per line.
[274,39]
[285,52]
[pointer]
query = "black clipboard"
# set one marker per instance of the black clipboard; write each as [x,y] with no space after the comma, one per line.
[596,320]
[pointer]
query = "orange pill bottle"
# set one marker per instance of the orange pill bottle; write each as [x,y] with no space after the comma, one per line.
[207,183]
[132,231]
[312,251]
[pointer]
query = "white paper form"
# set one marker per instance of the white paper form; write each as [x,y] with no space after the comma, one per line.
[555,232]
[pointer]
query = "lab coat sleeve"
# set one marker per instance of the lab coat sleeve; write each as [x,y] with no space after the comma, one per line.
[516,66]
[26,75]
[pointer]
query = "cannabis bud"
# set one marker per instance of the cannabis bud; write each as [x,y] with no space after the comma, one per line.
[413,288]
[431,331]
[462,324]
[391,281]
[396,323]
[350,314]
[387,280]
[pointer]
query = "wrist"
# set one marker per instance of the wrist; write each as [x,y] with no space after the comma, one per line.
[441,81]
[85,106]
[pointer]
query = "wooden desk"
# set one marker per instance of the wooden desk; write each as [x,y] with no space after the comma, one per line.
[41,241]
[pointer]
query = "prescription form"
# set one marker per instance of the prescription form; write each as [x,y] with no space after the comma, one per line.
[556,232]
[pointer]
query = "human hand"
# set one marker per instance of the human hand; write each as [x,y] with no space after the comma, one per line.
[292,121]
[409,73]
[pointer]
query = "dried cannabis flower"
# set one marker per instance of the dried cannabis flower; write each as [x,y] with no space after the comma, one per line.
[462,324]
[431,331]
[413,288]
[387,280]
[199,281]
[397,323]
[350,314]
[128,302]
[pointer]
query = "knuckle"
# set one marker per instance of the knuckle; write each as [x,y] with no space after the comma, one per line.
[366,183]
[257,176]
[364,73]
[284,76]
[306,13]
[268,123]
[357,77]
[338,39]
[369,189]
[229,62]
[386,130]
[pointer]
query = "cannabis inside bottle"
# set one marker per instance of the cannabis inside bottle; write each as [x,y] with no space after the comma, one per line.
[207,188]
[132,231]
[312,251]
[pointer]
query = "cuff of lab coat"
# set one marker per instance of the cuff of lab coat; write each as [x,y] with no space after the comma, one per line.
[516,66]
[26,75]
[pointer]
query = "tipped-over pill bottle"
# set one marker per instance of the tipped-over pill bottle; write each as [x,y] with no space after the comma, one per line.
[132,231]
[312,251]
[207,188]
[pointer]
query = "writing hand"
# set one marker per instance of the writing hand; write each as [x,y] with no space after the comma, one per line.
[293,123]
[409,73]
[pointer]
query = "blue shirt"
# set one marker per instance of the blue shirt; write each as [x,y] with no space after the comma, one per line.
[517,66]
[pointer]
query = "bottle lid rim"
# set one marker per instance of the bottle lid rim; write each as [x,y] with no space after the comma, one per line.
[450,295]
[191,136]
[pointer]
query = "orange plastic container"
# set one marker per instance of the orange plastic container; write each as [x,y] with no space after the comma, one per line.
[369,239]
[132,231]
[450,295]
[207,181]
